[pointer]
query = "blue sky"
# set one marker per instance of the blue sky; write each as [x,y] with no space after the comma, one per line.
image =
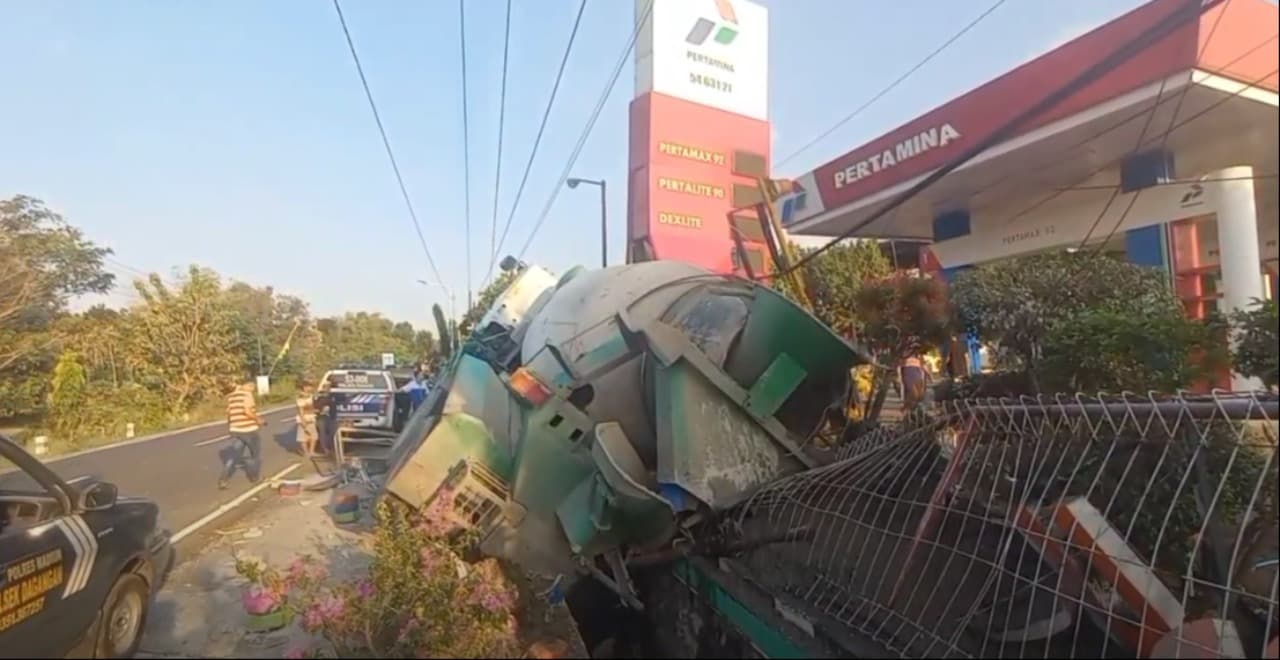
[234,134]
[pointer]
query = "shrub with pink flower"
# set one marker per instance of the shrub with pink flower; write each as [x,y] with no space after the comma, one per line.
[417,600]
[260,600]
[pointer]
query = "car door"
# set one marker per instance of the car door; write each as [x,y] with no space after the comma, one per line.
[47,554]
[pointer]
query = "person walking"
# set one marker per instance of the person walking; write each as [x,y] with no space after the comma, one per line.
[308,435]
[244,425]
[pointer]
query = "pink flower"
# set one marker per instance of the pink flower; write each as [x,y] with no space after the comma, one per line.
[259,600]
[494,599]
[431,559]
[312,620]
[436,519]
[365,589]
[333,607]
[297,569]
[326,611]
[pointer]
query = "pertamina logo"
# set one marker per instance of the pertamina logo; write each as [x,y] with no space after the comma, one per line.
[1193,196]
[722,31]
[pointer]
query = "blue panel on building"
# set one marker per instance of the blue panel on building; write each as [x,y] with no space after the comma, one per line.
[949,225]
[1145,246]
[1150,168]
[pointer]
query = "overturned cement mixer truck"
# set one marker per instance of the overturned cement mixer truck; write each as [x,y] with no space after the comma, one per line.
[605,414]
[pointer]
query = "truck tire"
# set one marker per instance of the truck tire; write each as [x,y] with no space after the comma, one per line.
[122,618]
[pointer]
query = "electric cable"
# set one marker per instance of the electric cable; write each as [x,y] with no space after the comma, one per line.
[891,86]
[466,143]
[1157,32]
[502,120]
[537,140]
[586,129]
[386,142]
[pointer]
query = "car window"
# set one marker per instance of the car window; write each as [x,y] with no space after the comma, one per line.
[23,501]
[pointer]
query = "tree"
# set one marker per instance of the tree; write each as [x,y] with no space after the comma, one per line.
[1017,304]
[43,263]
[834,278]
[266,323]
[184,341]
[484,301]
[67,395]
[901,316]
[96,335]
[1256,353]
[362,337]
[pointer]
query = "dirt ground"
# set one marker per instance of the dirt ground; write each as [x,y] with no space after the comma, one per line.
[198,614]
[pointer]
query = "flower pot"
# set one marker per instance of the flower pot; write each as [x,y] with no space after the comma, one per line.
[261,623]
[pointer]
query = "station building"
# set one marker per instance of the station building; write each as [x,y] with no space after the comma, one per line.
[1168,160]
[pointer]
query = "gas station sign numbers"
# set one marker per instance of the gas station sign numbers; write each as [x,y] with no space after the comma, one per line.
[679,220]
[691,153]
[690,187]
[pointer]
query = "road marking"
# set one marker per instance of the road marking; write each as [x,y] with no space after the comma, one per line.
[209,442]
[153,436]
[213,515]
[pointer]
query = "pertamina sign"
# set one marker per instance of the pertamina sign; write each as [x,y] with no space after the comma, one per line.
[711,52]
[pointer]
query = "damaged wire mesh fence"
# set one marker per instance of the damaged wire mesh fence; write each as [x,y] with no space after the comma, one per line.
[1072,526]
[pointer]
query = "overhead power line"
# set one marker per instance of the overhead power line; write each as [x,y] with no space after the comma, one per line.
[1059,154]
[893,85]
[1190,10]
[1141,114]
[502,121]
[537,140]
[1164,140]
[386,143]
[586,129]
[466,143]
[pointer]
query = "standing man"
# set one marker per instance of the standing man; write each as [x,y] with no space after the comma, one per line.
[243,423]
[417,391]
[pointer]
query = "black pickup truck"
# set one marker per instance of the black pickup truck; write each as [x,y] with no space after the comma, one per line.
[79,564]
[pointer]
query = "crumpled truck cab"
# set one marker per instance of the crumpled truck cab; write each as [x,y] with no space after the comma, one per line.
[626,405]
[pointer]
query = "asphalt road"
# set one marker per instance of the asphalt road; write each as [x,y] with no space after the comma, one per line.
[179,470]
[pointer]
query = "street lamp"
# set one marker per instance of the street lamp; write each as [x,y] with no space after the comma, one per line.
[604,224]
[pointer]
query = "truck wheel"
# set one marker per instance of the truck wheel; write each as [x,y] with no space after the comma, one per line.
[122,617]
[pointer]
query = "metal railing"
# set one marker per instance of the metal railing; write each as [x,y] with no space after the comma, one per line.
[1071,526]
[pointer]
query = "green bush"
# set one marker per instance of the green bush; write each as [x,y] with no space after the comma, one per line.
[1257,350]
[1087,322]
[1114,350]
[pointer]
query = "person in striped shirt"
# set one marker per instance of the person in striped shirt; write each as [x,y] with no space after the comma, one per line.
[244,424]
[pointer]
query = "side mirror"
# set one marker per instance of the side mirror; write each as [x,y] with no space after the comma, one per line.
[99,496]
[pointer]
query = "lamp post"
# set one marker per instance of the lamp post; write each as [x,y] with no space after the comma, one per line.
[604,223]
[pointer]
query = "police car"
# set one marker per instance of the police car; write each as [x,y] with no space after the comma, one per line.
[79,564]
[363,398]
